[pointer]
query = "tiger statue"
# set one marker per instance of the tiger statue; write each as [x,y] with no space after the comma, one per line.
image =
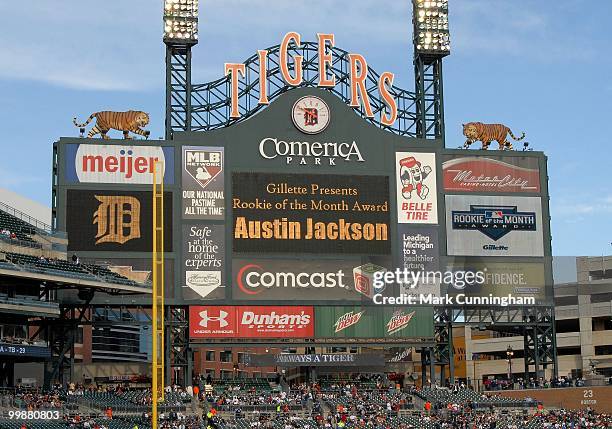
[128,121]
[486,133]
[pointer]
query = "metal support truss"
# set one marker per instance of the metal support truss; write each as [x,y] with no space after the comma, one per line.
[430,100]
[540,341]
[536,324]
[178,89]
[179,356]
[443,350]
[61,334]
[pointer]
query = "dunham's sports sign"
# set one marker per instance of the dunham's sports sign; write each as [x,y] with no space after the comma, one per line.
[251,322]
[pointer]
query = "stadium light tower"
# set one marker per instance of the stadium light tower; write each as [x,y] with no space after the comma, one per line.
[431,40]
[180,35]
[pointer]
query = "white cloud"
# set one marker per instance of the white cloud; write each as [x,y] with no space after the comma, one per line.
[522,30]
[580,207]
[82,44]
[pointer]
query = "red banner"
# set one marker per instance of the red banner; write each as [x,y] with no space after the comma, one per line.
[483,174]
[216,321]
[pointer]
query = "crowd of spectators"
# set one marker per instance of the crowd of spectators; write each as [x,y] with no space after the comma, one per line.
[532,383]
[31,399]
[8,234]
[347,404]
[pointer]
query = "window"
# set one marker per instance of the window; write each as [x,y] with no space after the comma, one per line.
[566,300]
[603,350]
[226,356]
[226,375]
[243,357]
[210,355]
[79,335]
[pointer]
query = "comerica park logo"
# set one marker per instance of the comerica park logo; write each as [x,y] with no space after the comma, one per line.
[494,221]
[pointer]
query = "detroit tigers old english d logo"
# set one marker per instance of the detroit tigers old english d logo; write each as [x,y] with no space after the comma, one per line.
[118,219]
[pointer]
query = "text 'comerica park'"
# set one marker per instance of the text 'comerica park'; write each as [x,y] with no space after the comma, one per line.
[271,148]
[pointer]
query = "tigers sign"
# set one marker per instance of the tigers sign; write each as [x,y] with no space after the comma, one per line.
[291,71]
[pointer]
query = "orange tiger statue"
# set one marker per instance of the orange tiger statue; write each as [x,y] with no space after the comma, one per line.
[486,133]
[128,121]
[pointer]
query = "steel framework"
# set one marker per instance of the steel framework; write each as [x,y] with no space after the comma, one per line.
[536,323]
[178,88]
[205,107]
[430,98]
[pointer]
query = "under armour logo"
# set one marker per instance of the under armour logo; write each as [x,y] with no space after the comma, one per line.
[221,318]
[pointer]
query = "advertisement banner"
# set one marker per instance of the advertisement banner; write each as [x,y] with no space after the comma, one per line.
[306,280]
[203,261]
[502,279]
[491,174]
[373,322]
[104,163]
[416,189]
[418,250]
[109,220]
[203,183]
[318,359]
[310,213]
[251,321]
[494,226]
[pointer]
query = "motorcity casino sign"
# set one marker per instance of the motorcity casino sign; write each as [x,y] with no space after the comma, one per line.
[491,174]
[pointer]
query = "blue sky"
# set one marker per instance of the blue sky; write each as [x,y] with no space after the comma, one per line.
[543,67]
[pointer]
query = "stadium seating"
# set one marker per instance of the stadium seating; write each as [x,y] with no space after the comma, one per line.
[34,424]
[64,268]
[50,266]
[108,275]
[22,229]
[258,384]
[465,395]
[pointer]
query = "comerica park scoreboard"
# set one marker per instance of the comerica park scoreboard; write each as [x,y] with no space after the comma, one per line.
[283,219]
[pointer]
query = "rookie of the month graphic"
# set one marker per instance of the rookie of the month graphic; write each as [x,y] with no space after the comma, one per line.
[494,226]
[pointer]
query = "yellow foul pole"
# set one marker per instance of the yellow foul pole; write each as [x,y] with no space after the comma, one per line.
[157,370]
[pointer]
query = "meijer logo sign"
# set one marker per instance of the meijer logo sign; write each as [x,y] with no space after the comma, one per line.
[116,163]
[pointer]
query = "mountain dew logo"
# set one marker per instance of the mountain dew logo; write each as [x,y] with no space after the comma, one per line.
[399,320]
[348,319]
